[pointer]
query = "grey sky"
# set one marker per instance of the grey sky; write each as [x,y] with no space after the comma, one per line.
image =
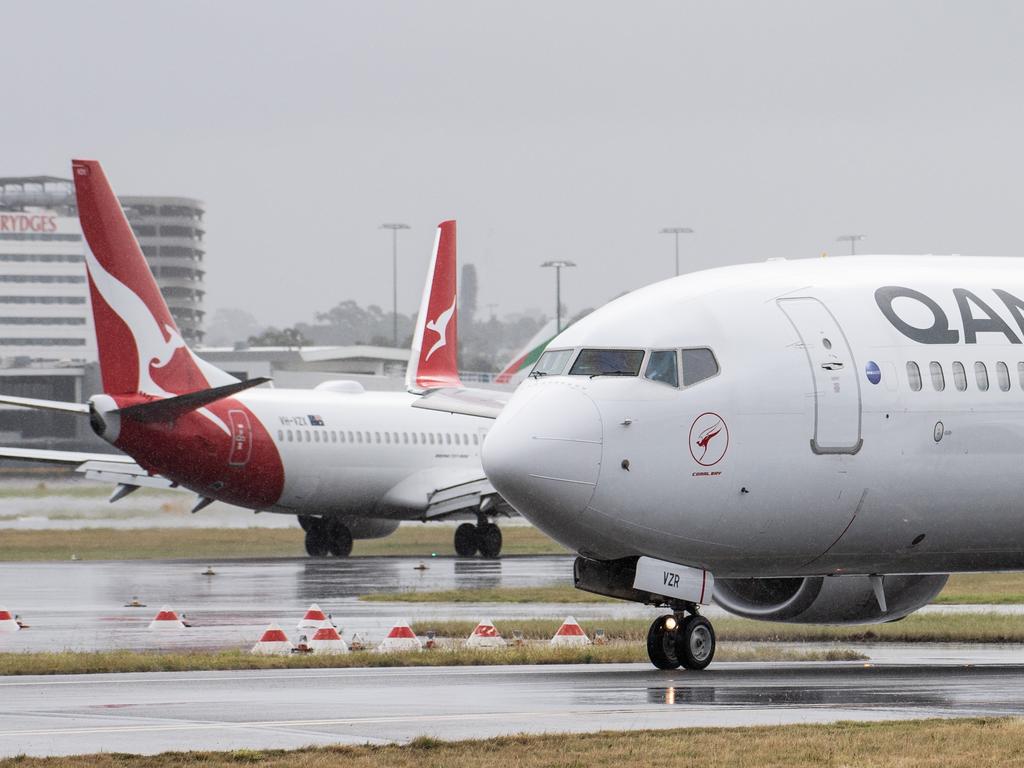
[548,130]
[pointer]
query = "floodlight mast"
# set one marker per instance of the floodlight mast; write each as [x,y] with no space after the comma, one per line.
[676,231]
[852,240]
[394,276]
[558,265]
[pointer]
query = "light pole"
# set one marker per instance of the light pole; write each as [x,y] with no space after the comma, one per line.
[558,288]
[677,231]
[394,276]
[852,240]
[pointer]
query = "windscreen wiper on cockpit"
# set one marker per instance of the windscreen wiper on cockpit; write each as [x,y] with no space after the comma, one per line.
[612,373]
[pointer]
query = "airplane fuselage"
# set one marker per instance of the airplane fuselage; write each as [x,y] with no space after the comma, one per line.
[314,452]
[813,449]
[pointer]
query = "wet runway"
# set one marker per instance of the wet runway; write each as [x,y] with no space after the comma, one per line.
[149,713]
[81,605]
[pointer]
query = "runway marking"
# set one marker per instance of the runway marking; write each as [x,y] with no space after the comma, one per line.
[259,724]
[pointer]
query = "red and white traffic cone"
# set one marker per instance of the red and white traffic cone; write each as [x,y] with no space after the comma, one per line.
[8,622]
[400,638]
[273,641]
[570,633]
[485,635]
[167,619]
[314,618]
[327,639]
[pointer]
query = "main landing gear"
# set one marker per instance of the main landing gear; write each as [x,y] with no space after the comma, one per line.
[681,640]
[484,536]
[326,537]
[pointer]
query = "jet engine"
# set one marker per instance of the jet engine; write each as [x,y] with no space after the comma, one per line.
[370,527]
[827,599]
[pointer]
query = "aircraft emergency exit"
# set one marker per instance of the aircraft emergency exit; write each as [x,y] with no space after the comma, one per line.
[817,441]
[350,464]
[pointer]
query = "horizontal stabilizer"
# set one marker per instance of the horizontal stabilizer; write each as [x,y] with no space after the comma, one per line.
[45,405]
[487,403]
[173,407]
[63,457]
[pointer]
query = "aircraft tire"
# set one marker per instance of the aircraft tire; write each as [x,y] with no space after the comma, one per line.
[305,521]
[489,540]
[695,642]
[317,542]
[466,540]
[661,644]
[339,539]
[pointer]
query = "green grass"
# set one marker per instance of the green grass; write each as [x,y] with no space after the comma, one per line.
[941,743]
[917,628]
[96,662]
[987,588]
[224,543]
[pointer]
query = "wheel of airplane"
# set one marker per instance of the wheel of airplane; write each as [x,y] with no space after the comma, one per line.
[317,542]
[466,540]
[661,642]
[489,539]
[305,521]
[339,539]
[695,642]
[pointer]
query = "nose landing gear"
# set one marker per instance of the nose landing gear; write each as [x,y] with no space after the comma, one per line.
[680,640]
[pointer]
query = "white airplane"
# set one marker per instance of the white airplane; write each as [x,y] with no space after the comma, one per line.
[350,464]
[816,441]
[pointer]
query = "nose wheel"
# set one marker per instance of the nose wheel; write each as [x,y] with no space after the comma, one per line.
[687,641]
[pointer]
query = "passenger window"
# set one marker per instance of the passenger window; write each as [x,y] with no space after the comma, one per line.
[552,362]
[1003,376]
[607,362]
[368,439]
[1020,374]
[431,438]
[394,436]
[981,376]
[359,437]
[959,376]
[448,439]
[414,440]
[423,438]
[938,378]
[387,438]
[289,436]
[405,438]
[316,437]
[476,440]
[698,364]
[914,376]
[662,367]
[351,437]
[280,435]
[342,436]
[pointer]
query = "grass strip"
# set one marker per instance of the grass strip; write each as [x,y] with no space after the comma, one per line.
[98,662]
[918,628]
[966,743]
[227,543]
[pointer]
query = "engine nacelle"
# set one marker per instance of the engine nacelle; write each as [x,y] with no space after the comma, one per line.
[826,599]
[370,527]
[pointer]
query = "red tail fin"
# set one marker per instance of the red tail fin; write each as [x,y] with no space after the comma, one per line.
[140,348]
[435,344]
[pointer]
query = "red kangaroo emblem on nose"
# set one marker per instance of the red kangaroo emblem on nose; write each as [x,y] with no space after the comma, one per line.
[706,436]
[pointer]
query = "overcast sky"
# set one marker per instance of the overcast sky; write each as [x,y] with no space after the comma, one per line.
[549,130]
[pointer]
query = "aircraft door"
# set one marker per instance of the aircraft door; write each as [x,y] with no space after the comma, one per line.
[837,406]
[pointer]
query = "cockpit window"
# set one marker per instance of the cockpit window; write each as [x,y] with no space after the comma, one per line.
[552,362]
[608,362]
[698,364]
[662,367]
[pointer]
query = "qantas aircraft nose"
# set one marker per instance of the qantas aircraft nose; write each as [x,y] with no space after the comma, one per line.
[543,454]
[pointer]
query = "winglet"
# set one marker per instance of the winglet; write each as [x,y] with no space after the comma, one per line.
[433,362]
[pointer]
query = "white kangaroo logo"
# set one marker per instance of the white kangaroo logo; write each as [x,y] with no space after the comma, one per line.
[152,349]
[440,327]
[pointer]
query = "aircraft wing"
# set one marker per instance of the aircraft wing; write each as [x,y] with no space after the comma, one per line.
[45,405]
[109,467]
[436,492]
[487,403]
